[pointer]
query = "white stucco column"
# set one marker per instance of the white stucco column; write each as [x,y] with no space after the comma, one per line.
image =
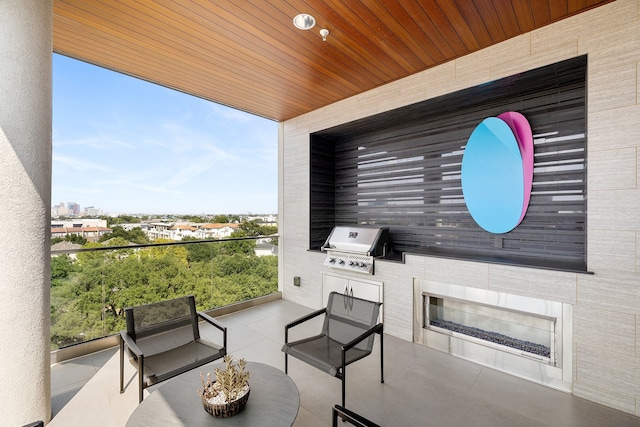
[25,210]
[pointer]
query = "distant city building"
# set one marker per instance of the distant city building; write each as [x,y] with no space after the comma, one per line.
[74,208]
[178,231]
[90,229]
[129,227]
[215,231]
[59,210]
[80,222]
[91,211]
[159,230]
[270,219]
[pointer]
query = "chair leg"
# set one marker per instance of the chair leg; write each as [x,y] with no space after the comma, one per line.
[286,341]
[343,376]
[121,365]
[140,377]
[344,387]
[381,357]
[335,415]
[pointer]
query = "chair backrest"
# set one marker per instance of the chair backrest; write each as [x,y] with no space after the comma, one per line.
[163,325]
[349,317]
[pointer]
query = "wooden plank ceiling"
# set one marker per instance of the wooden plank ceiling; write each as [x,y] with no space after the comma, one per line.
[248,55]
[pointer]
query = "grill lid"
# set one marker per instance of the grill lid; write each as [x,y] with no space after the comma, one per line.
[370,241]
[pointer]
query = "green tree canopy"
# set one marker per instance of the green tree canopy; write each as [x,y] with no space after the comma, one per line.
[221,219]
[195,218]
[61,266]
[122,219]
[75,238]
[135,235]
[254,228]
[88,296]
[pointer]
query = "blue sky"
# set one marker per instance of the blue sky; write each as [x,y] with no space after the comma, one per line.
[128,146]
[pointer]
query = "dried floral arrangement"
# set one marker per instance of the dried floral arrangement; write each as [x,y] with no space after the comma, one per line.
[230,383]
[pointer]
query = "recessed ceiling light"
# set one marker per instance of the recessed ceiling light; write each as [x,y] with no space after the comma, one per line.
[304,21]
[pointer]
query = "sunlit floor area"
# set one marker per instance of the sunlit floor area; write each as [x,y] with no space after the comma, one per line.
[423,387]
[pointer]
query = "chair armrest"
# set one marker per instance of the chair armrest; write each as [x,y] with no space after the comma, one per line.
[301,320]
[214,322]
[204,316]
[131,344]
[305,318]
[353,342]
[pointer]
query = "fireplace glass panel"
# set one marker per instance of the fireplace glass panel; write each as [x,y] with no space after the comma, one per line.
[521,332]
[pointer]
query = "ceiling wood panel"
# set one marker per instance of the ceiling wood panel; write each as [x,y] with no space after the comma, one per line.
[541,11]
[446,29]
[559,8]
[472,18]
[460,24]
[248,55]
[508,19]
[524,15]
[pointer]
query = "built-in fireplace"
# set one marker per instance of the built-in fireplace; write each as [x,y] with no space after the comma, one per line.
[526,337]
[520,333]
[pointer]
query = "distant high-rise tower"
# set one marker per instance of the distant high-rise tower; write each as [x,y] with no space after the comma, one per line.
[61,210]
[92,211]
[74,208]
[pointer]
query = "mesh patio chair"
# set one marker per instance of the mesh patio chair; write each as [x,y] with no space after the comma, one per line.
[163,339]
[347,335]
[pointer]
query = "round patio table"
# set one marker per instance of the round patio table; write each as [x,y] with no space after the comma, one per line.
[274,401]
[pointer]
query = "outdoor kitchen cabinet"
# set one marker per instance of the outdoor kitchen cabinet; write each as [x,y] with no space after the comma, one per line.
[360,288]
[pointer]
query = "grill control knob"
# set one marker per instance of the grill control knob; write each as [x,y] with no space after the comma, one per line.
[332,260]
[341,262]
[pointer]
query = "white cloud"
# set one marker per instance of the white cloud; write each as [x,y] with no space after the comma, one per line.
[154,142]
[85,142]
[219,111]
[98,143]
[155,188]
[79,164]
[190,172]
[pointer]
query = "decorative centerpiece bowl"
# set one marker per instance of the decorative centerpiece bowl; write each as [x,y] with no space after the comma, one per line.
[227,395]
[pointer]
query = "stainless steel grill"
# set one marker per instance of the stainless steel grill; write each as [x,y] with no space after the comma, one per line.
[355,248]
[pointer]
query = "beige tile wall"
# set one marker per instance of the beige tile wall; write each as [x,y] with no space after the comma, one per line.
[606,303]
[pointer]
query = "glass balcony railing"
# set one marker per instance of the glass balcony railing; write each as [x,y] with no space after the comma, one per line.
[90,287]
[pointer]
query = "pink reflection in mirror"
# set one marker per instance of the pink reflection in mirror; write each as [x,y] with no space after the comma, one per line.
[522,131]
